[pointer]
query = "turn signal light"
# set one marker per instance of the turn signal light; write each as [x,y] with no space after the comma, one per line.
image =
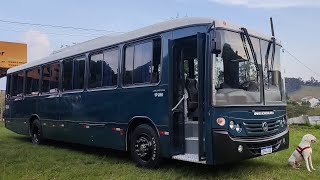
[221,121]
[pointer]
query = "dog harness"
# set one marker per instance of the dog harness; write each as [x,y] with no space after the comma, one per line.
[300,150]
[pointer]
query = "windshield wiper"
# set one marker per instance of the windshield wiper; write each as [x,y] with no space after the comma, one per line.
[245,31]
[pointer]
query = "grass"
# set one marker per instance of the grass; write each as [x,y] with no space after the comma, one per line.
[19,159]
[305,91]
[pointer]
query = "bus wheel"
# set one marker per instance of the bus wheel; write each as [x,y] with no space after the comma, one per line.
[144,146]
[36,134]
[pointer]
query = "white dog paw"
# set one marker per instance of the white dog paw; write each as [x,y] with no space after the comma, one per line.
[313,169]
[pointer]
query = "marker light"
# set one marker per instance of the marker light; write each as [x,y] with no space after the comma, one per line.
[232,125]
[221,121]
[238,128]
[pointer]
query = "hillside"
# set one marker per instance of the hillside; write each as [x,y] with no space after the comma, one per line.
[306,91]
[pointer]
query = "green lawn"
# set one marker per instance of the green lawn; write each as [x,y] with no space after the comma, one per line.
[19,159]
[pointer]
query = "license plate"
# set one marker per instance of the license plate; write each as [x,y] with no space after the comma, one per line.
[266,150]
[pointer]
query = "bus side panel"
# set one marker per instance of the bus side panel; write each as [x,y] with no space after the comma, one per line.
[146,102]
[102,110]
[72,114]
[16,120]
[49,115]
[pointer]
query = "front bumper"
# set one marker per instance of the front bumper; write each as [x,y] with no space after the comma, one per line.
[225,148]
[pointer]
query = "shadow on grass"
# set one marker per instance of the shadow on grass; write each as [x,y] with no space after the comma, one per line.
[236,170]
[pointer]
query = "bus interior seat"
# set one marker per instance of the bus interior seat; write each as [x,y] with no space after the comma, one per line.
[191,86]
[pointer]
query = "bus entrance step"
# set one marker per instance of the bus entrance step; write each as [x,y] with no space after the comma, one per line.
[189,157]
[192,146]
[191,128]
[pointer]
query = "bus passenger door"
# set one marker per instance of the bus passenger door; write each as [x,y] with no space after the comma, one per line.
[187,69]
[176,98]
[201,49]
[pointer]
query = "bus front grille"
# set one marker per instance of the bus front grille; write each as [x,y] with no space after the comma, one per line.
[255,148]
[261,128]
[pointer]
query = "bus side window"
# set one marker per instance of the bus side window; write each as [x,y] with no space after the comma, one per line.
[54,77]
[128,65]
[32,82]
[156,63]
[95,65]
[143,63]
[78,76]
[67,75]
[50,78]
[17,84]
[110,68]
[45,79]
[8,86]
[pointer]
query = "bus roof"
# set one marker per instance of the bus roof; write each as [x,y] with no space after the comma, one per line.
[108,40]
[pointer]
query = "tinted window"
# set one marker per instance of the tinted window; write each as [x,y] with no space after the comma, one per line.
[79,69]
[8,85]
[45,79]
[54,77]
[17,84]
[50,78]
[32,81]
[110,68]
[128,65]
[95,70]
[67,75]
[142,63]
[155,75]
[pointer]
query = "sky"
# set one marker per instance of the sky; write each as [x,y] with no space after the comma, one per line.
[296,23]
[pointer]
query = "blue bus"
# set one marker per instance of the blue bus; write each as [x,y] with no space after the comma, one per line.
[191,89]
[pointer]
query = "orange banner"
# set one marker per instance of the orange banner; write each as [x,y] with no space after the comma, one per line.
[12,54]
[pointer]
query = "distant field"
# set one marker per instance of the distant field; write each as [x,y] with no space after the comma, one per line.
[19,159]
[305,91]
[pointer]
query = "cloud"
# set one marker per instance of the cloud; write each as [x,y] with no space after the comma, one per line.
[270,3]
[38,44]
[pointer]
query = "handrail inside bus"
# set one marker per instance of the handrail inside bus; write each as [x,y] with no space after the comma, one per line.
[173,109]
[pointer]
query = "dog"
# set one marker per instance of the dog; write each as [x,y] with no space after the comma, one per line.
[303,152]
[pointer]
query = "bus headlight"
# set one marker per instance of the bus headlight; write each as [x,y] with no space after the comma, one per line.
[238,128]
[232,125]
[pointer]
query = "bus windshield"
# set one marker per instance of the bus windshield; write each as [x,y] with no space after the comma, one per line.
[237,77]
[272,77]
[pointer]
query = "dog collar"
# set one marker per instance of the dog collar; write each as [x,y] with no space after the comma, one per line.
[300,149]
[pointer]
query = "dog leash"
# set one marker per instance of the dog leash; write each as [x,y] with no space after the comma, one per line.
[300,150]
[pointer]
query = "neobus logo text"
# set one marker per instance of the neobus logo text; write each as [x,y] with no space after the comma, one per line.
[263,113]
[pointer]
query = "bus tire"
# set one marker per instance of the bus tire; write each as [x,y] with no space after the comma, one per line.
[36,132]
[145,146]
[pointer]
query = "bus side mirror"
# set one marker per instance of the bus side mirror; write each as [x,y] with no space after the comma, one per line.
[216,43]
